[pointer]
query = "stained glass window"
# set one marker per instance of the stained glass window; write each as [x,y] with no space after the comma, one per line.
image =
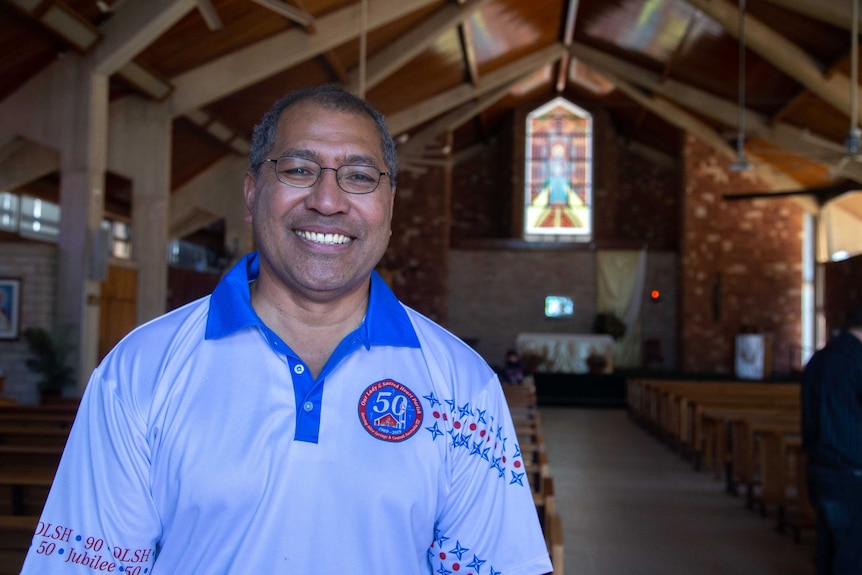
[559,164]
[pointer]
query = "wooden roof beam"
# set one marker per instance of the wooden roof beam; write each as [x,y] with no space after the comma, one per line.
[838,13]
[397,54]
[299,16]
[134,27]
[689,123]
[446,101]
[210,15]
[23,161]
[452,120]
[718,109]
[833,89]
[245,67]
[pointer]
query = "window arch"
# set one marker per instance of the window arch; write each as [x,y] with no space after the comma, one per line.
[558,191]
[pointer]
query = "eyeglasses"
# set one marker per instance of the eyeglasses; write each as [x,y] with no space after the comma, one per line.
[304,173]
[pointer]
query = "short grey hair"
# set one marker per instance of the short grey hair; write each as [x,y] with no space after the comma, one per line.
[329,97]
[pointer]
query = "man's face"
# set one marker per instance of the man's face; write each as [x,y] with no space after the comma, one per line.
[320,242]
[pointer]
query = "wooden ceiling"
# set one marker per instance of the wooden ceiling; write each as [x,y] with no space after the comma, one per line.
[660,67]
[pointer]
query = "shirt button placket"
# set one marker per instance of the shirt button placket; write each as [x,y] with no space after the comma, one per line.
[308,406]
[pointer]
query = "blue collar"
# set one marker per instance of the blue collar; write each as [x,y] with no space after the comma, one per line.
[386,321]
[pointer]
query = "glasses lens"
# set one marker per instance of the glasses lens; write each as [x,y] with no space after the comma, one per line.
[358,179]
[297,172]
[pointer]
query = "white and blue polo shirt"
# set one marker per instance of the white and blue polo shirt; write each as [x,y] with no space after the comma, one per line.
[203,445]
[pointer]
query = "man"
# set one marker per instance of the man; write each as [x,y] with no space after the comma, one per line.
[832,438]
[300,419]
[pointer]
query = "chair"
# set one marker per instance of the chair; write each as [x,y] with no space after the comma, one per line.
[652,357]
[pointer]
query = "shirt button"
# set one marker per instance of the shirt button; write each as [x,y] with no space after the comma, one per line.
[307,406]
[298,369]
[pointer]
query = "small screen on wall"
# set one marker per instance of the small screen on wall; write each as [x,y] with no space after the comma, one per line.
[558,306]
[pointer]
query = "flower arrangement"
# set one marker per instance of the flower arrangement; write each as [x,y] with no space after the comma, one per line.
[535,362]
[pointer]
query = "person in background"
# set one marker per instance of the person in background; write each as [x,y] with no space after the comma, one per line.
[512,371]
[832,440]
[300,419]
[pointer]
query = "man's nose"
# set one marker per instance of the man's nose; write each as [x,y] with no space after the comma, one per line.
[326,196]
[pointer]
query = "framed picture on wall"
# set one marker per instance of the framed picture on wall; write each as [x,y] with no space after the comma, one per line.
[10,303]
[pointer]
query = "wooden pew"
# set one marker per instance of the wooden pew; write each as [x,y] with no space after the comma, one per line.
[528,426]
[32,439]
[12,434]
[552,527]
[16,534]
[759,457]
[747,432]
[672,408]
[24,491]
[30,456]
[727,442]
[798,515]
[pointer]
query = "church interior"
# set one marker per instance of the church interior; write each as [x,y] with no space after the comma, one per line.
[645,199]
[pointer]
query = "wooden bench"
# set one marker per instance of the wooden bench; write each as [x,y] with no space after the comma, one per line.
[16,531]
[12,434]
[798,515]
[552,526]
[15,456]
[523,406]
[726,443]
[24,491]
[672,408]
[16,534]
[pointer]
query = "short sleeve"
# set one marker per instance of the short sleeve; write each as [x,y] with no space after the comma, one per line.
[99,515]
[489,523]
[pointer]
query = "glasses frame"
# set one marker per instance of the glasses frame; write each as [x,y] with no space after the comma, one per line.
[319,174]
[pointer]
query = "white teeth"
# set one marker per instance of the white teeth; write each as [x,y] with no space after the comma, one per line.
[331,239]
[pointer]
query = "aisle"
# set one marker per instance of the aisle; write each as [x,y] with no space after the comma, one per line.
[631,506]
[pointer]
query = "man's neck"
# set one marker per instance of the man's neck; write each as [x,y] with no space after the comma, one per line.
[312,329]
[856,331]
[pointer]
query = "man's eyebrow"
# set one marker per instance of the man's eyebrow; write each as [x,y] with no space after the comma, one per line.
[361,159]
[300,153]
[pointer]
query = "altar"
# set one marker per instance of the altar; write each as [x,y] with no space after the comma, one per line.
[565,352]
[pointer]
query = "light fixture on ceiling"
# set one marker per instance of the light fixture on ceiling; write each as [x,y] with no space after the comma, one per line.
[853,141]
[855,135]
[741,164]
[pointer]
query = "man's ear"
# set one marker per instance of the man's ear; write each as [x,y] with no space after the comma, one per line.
[250,193]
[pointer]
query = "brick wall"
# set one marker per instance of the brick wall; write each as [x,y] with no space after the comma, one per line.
[416,263]
[35,264]
[482,198]
[497,291]
[496,294]
[647,206]
[741,266]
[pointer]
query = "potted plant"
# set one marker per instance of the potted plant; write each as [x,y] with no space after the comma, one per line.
[609,323]
[49,358]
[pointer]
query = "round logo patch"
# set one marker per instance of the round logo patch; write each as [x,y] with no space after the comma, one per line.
[389,411]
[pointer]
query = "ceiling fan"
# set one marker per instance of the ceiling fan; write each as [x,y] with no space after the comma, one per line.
[852,145]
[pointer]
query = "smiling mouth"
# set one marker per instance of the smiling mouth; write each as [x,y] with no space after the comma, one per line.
[328,239]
